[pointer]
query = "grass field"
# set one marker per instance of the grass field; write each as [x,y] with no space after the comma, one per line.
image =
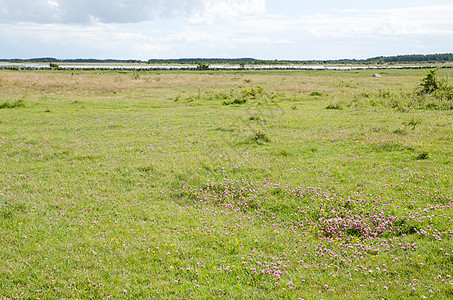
[224,185]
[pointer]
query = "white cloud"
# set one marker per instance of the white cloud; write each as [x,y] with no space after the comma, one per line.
[428,19]
[237,28]
[425,20]
[123,11]
[53,3]
[228,9]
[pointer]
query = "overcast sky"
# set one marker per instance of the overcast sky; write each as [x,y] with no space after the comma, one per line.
[266,29]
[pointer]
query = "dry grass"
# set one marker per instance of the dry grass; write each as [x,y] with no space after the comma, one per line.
[31,85]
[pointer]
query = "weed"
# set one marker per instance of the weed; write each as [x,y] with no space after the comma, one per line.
[224,129]
[119,78]
[413,123]
[16,104]
[316,94]
[422,155]
[334,106]
[284,152]
[235,101]
[252,92]
[136,74]
[260,137]
[400,131]
[146,169]
[403,226]
[365,95]
[386,147]
[384,94]
[246,94]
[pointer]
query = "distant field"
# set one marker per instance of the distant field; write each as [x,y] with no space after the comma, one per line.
[224,185]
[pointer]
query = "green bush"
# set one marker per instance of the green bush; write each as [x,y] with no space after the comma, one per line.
[430,83]
[260,137]
[202,66]
[19,103]
[438,88]
[315,94]
[53,65]
[334,106]
[422,155]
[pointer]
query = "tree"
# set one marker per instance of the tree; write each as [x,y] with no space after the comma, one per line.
[202,66]
[53,65]
[437,88]
[430,83]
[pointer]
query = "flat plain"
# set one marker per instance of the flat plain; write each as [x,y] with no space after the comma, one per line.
[224,185]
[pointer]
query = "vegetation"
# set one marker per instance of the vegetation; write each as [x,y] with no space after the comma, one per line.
[147,185]
[431,85]
[53,65]
[334,106]
[445,57]
[18,103]
[202,66]
[412,58]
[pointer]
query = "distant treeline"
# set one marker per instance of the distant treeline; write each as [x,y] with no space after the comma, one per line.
[446,57]
[412,58]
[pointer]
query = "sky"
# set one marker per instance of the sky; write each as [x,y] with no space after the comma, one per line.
[262,29]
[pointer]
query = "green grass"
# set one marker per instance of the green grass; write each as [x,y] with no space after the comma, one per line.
[224,185]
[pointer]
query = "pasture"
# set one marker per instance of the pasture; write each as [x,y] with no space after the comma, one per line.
[224,185]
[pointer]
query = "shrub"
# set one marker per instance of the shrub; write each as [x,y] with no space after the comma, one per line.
[430,83]
[235,101]
[384,94]
[260,137]
[253,92]
[202,66]
[315,93]
[245,95]
[254,118]
[136,74]
[334,106]
[439,89]
[19,103]
[53,65]
[400,131]
[413,123]
[422,155]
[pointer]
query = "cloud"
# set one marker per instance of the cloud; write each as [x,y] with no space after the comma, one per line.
[237,28]
[423,20]
[122,11]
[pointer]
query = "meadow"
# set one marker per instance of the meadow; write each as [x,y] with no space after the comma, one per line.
[224,185]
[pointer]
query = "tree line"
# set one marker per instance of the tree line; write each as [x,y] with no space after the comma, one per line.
[410,58]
